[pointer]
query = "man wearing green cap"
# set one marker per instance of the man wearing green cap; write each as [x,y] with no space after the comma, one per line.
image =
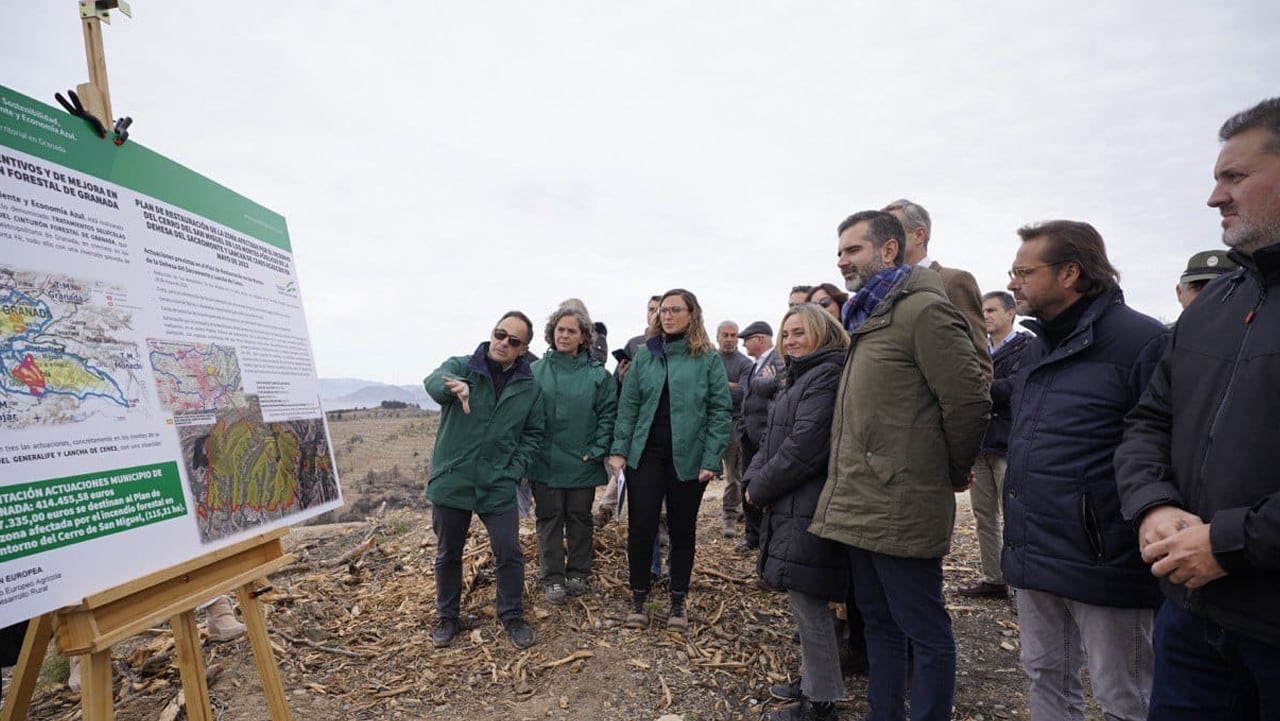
[1202,268]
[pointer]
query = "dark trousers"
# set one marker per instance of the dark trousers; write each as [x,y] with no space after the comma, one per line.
[563,514]
[752,516]
[901,600]
[1204,671]
[648,485]
[450,526]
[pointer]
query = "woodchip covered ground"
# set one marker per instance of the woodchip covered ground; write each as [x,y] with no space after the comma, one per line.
[352,620]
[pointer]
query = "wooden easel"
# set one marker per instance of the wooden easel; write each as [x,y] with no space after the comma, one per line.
[104,619]
[95,94]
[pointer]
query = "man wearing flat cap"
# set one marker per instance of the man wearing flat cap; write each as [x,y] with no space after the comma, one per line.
[758,384]
[1202,268]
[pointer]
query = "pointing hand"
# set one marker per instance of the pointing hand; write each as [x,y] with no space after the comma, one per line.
[462,391]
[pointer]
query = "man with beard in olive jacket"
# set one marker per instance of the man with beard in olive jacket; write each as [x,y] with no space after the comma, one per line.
[1196,468]
[908,421]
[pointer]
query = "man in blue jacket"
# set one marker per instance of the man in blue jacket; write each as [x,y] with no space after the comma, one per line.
[1196,467]
[1005,346]
[1082,588]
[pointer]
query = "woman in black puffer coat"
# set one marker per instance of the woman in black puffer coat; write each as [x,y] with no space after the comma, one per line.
[785,478]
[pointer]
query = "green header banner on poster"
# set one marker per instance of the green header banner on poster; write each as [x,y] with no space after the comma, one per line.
[37,129]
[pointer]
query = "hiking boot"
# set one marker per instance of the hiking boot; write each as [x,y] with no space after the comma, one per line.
[787,691]
[576,586]
[982,589]
[638,618]
[223,625]
[446,631]
[519,632]
[746,547]
[557,594]
[806,710]
[678,620]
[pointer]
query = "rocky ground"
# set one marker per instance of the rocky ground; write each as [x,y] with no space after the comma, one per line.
[351,620]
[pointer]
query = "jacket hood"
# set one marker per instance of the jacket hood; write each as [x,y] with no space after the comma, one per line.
[659,348]
[797,367]
[1263,262]
[478,364]
[568,360]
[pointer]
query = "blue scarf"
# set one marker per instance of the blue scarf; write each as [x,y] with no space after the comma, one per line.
[858,308]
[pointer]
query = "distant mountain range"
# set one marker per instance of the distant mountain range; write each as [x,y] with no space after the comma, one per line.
[344,393]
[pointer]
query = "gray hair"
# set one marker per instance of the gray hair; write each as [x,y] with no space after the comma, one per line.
[1265,114]
[726,323]
[914,215]
[584,325]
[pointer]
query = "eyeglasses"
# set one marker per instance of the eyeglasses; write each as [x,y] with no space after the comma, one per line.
[514,341]
[825,302]
[1022,273]
[674,310]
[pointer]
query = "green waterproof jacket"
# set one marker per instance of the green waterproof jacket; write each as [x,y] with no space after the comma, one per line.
[701,409]
[479,457]
[581,401]
[909,418]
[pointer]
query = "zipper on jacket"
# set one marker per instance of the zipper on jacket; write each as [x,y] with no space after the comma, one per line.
[1091,528]
[1235,283]
[1231,381]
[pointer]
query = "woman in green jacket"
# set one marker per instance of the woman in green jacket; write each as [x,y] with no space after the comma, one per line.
[580,400]
[672,430]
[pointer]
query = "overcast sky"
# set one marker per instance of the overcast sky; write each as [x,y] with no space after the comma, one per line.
[441,163]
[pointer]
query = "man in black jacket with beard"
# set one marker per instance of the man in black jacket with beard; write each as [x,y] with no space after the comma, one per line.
[1196,469]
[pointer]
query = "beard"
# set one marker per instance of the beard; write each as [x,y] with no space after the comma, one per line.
[862,274]
[1247,235]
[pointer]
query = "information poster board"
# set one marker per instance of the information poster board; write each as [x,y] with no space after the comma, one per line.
[158,395]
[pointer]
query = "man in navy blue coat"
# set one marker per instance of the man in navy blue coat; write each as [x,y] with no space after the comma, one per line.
[1082,587]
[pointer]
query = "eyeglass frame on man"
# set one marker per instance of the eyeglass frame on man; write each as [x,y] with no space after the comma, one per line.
[512,339]
[1020,274]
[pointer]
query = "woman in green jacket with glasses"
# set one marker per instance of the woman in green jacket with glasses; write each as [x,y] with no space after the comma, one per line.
[672,430]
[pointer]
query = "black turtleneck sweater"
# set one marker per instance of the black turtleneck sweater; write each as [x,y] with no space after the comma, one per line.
[1063,324]
[660,430]
[499,376]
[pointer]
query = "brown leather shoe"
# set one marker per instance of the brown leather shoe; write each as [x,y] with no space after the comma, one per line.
[982,589]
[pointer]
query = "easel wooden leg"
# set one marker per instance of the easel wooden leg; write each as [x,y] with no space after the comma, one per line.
[186,639]
[256,622]
[27,672]
[95,686]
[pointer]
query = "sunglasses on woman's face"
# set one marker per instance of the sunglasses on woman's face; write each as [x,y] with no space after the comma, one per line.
[512,340]
[825,302]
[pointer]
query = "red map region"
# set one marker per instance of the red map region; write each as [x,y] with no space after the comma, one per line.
[30,375]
